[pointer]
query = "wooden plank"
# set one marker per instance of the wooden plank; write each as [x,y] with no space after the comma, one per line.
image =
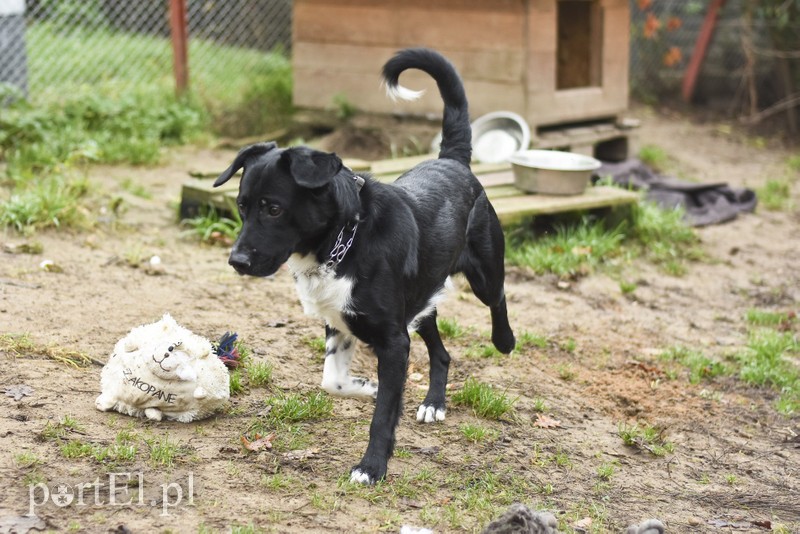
[470,25]
[503,65]
[315,88]
[511,210]
[511,205]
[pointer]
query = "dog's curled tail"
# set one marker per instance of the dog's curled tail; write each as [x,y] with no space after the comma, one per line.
[456,131]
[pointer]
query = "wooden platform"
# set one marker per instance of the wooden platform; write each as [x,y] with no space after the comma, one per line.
[511,204]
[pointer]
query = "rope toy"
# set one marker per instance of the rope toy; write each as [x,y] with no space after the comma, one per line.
[227,351]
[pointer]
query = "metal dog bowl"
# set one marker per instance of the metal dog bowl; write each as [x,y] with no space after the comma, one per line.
[496,137]
[550,172]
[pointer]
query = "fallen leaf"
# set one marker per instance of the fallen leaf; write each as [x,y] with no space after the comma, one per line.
[545,421]
[18,391]
[304,454]
[258,443]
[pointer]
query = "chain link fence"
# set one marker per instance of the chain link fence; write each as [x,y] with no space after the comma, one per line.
[50,47]
[752,65]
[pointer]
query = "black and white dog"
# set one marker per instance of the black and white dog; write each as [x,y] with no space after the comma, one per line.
[373,260]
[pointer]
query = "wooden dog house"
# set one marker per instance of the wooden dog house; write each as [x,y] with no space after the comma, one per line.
[560,64]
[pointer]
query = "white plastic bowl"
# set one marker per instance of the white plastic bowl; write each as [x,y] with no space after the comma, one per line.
[496,137]
[551,172]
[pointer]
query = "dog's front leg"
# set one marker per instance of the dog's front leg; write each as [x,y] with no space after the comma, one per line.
[392,356]
[336,378]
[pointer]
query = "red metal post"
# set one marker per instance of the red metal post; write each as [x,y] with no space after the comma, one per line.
[180,45]
[700,48]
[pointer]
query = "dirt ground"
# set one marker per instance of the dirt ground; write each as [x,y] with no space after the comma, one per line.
[735,464]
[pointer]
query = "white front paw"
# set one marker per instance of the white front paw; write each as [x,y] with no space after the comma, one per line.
[359,477]
[429,414]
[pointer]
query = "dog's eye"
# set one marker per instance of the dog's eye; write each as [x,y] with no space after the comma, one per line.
[273,210]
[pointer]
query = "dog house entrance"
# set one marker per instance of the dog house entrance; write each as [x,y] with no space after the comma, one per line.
[579,47]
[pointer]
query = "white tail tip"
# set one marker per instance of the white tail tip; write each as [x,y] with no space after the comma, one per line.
[398,92]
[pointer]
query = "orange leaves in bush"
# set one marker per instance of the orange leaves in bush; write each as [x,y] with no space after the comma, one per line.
[673,56]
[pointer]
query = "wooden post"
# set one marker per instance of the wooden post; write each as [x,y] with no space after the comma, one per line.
[700,48]
[180,45]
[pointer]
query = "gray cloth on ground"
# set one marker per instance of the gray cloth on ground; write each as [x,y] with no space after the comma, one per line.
[704,204]
[520,519]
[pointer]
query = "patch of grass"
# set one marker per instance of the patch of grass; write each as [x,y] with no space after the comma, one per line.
[577,249]
[402,452]
[54,201]
[766,362]
[236,381]
[596,511]
[606,470]
[476,433]
[344,108]
[647,437]
[570,251]
[26,460]
[259,374]
[316,343]
[114,453]
[566,372]
[213,228]
[769,318]
[76,449]
[775,195]
[484,400]
[59,430]
[569,345]
[483,350]
[700,366]
[662,236]
[294,408]
[280,482]
[531,340]
[484,493]
[627,288]
[561,459]
[449,328]
[22,345]
[163,452]
[654,156]
[246,529]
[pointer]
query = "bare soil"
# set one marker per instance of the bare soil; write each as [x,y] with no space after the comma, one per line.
[736,461]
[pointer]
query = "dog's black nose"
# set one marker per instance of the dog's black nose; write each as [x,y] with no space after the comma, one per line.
[239,261]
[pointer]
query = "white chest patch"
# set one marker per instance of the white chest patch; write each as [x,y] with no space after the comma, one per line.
[321,293]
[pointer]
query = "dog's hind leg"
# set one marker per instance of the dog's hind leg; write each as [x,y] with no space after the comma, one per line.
[482,262]
[336,378]
[433,407]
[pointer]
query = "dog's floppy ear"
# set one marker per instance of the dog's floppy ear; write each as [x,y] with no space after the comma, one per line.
[244,154]
[312,168]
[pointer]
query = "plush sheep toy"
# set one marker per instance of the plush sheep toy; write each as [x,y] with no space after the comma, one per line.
[163,370]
